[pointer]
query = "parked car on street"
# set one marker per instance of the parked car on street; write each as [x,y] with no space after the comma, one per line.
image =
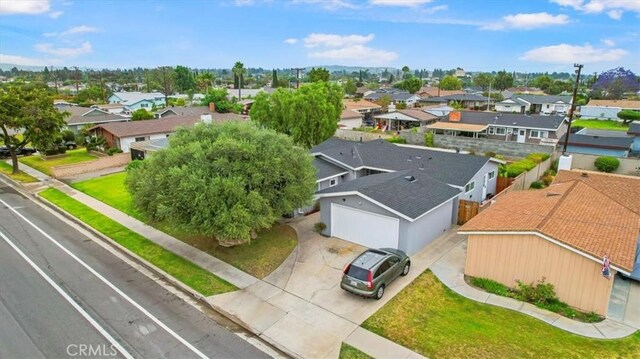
[371,272]
[26,151]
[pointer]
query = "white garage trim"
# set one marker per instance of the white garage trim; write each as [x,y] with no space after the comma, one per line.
[364,227]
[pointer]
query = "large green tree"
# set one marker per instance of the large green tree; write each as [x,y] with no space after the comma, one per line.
[27,109]
[221,101]
[238,76]
[319,74]
[226,181]
[204,81]
[274,78]
[450,82]
[166,77]
[350,87]
[411,84]
[184,79]
[309,115]
[141,114]
[483,80]
[503,80]
[628,116]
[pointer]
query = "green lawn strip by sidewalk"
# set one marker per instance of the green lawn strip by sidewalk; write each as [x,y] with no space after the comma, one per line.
[429,318]
[258,258]
[600,124]
[187,272]
[349,352]
[7,169]
[70,157]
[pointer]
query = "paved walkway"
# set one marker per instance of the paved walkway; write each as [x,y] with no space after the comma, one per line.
[450,270]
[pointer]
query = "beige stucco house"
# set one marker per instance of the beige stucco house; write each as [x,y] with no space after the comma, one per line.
[560,233]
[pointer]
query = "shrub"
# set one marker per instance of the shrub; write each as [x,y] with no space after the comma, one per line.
[133,165]
[50,151]
[539,293]
[68,135]
[62,149]
[538,157]
[514,169]
[547,180]
[607,164]
[396,139]
[112,150]
[428,139]
[537,184]
[491,286]
[554,165]
[414,129]
[472,152]
[550,172]
[319,227]
[490,154]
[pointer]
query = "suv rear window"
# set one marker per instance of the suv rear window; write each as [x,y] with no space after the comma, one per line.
[358,273]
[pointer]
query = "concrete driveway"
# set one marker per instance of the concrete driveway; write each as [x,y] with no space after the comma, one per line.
[624,304]
[301,304]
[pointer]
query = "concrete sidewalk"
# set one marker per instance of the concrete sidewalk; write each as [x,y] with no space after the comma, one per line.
[450,270]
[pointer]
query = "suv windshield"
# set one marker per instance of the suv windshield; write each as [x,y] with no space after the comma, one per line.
[358,273]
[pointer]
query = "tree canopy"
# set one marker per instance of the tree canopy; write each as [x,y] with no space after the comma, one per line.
[309,115]
[219,97]
[483,80]
[350,87]
[616,82]
[28,109]
[503,80]
[319,74]
[184,79]
[141,114]
[223,180]
[411,84]
[628,116]
[450,83]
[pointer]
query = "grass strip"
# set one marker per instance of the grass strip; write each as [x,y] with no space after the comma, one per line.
[7,169]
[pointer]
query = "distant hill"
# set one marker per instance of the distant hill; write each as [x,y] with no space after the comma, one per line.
[8,67]
[349,69]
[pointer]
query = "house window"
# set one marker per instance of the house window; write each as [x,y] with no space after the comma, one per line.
[538,134]
[548,106]
[492,175]
[491,130]
[144,105]
[470,187]
[333,182]
[501,131]
[138,139]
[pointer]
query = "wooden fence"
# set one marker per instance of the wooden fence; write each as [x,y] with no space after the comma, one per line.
[467,210]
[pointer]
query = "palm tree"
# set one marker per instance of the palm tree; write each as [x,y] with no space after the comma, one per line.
[205,80]
[238,71]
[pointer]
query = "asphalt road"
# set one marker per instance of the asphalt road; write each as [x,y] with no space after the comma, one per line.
[63,295]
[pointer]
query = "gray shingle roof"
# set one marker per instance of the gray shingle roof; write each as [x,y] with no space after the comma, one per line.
[412,198]
[634,128]
[510,119]
[452,168]
[81,115]
[456,97]
[326,169]
[621,143]
[539,99]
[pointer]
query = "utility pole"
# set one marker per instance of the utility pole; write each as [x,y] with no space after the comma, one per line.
[297,70]
[77,80]
[55,78]
[102,87]
[573,107]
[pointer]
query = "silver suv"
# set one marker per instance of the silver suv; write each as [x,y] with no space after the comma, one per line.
[372,271]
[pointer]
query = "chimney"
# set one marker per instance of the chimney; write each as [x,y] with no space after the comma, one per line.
[212,107]
[454,116]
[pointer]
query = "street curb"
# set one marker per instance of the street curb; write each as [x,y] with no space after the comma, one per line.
[164,275]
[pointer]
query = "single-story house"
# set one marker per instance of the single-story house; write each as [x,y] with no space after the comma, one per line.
[136,100]
[599,143]
[82,116]
[122,134]
[379,194]
[534,104]
[403,119]
[62,104]
[350,119]
[115,108]
[607,109]
[366,108]
[248,93]
[561,234]
[468,101]
[397,97]
[429,91]
[536,129]
[437,110]
[634,131]
[182,111]
[143,149]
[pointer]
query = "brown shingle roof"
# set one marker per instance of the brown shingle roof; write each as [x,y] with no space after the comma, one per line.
[163,125]
[615,103]
[361,105]
[572,212]
[428,91]
[349,114]
[419,114]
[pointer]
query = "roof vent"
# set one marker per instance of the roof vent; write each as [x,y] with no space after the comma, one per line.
[495,118]
[553,194]
[584,175]
[421,167]
[418,157]
[409,159]
[410,178]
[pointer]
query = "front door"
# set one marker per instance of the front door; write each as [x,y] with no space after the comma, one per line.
[485,183]
[522,135]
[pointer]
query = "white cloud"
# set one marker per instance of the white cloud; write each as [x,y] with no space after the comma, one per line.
[244,2]
[358,54]
[613,8]
[435,9]
[25,61]
[404,3]
[608,42]
[84,48]
[569,54]
[55,14]
[30,7]
[82,29]
[291,41]
[333,40]
[329,4]
[528,21]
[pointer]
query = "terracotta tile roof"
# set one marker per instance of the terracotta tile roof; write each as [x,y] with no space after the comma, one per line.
[361,105]
[572,212]
[615,103]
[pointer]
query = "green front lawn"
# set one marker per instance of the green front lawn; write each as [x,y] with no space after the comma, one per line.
[431,319]
[7,169]
[258,258]
[185,271]
[349,352]
[71,157]
[600,124]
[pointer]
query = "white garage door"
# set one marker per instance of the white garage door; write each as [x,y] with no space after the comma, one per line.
[364,228]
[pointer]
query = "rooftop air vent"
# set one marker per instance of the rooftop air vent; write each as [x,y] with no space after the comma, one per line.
[409,159]
[410,178]
[584,175]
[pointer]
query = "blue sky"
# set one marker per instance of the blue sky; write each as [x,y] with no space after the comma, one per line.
[479,35]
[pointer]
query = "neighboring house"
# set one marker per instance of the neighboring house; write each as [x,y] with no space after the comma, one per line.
[133,101]
[114,108]
[182,111]
[122,135]
[600,143]
[366,108]
[536,129]
[634,131]
[561,234]
[429,91]
[437,110]
[62,104]
[459,72]
[397,97]
[468,101]
[247,93]
[379,194]
[607,109]
[350,119]
[535,104]
[404,119]
[143,149]
[82,116]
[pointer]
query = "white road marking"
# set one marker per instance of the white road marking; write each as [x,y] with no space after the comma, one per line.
[66,296]
[109,284]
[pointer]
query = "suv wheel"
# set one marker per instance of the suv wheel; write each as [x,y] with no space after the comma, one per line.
[406,268]
[380,292]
